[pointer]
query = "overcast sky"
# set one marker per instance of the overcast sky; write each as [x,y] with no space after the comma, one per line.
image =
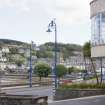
[27,20]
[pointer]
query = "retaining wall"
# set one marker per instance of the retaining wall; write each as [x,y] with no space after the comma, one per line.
[22,100]
[77,93]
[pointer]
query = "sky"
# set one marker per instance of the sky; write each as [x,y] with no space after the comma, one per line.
[27,20]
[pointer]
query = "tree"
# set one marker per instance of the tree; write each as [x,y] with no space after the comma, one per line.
[18,59]
[66,50]
[44,54]
[19,62]
[73,70]
[13,50]
[42,70]
[61,70]
[70,70]
[87,54]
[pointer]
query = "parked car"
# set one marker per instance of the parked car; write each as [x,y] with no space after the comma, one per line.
[65,81]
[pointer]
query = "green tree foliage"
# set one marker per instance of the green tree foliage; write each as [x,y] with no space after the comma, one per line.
[42,70]
[61,70]
[20,61]
[16,58]
[44,54]
[87,49]
[66,49]
[13,50]
[73,70]
[87,54]
[70,70]
[33,53]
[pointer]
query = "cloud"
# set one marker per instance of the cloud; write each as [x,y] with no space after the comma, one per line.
[17,4]
[27,5]
[68,11]
[72,11]
[30,17]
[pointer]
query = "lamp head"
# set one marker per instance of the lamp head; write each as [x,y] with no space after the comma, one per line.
[52,23]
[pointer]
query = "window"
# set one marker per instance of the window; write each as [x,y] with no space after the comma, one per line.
[98,29]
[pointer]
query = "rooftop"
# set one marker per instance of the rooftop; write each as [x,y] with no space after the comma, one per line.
[92,1]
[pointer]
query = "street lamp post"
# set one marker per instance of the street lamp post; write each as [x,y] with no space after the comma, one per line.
[30,71]
[31,57]
[52,26]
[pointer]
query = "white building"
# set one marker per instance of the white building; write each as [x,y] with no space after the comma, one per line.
[98,33]
[5,49]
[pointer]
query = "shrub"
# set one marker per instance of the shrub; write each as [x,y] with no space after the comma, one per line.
[61,70]
[83,86]
[42,70]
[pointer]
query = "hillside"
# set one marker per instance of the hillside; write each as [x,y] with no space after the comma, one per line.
[11,42]
[66,49]
[47,49]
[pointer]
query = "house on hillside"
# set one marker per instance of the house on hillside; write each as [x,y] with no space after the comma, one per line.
[5,49]
[77,60]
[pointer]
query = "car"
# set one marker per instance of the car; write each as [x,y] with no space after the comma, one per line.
[65,81]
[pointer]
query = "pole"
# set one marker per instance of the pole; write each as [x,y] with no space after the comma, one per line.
[52,25]
[0,81]
[101,70]
[30,71]
[55,68]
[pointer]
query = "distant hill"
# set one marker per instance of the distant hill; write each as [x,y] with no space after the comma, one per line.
[47,49]
[66,49]
[11,42]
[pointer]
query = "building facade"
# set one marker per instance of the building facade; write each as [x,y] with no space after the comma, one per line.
[97,8]
[98,28]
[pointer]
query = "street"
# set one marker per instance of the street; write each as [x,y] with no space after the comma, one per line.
[41,91]
[96,100]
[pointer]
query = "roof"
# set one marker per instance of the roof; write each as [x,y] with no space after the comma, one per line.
[93,1]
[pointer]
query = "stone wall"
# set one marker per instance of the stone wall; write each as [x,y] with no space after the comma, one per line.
[22,100]
[77,93]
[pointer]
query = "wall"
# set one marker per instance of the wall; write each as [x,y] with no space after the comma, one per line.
[22,100]
[77,93]
[98,51]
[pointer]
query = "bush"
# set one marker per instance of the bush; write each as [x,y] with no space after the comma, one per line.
[61,70]
[83,86]
[42,70]
[74,70]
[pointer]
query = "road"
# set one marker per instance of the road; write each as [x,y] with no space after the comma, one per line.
[41,91]
[96,100]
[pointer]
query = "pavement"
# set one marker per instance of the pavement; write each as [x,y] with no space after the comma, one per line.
[94,100]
